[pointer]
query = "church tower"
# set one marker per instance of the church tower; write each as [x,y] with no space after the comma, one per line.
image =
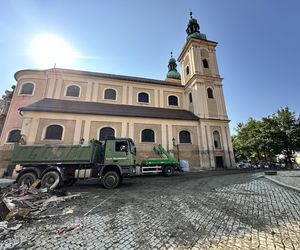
[204,96]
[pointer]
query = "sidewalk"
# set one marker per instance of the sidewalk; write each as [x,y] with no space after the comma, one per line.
[290,179]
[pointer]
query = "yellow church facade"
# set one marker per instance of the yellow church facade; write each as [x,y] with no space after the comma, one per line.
[185,113]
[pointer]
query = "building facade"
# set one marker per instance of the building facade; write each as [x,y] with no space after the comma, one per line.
[70,107]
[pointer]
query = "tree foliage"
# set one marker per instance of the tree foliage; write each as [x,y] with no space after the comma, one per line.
[272,135]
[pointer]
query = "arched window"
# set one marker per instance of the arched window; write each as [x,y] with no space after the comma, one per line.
[110,94]
[184,137]
[14,135]
[143,97]
[27,89]
[105,132]
[54,132]
[210,93]
[73,91]
[148,135]
[205,63]
[173,100]
[217,139]
[187,70]
[190,97]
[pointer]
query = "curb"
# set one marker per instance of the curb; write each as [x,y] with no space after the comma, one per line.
[281,183]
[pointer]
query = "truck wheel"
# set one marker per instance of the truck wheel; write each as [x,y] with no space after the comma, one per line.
[111,180]
[51,179]
[168,171]
[27,179]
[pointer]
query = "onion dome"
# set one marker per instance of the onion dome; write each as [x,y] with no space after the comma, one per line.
[193,29]
[173,73]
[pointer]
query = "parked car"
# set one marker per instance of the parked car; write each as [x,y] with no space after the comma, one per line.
[243,164]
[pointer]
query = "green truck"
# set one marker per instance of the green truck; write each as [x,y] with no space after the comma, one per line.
[108,161]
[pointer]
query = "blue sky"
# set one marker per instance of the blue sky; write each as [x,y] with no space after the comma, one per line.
[258,51]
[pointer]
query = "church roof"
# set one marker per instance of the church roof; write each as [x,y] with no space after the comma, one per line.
[96,108]
[61,71]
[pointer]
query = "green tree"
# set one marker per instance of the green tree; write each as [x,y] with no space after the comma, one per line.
[287,132]
[246,143]
[272,135]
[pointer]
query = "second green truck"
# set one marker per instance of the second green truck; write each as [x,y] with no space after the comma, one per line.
[109,161]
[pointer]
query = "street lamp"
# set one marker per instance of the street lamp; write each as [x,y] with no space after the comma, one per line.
[81,141]
[177,146]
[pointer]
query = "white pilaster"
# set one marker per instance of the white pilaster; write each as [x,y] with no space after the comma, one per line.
[86,132]
[31,136]
[77,131]
[58,89]
[88,96]
[50,87]
[164,136]
[123,129]
[95,92]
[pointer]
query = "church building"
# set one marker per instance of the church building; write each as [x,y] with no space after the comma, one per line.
[185,113]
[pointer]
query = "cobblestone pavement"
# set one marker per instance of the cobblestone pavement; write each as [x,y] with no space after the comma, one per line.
[220,212]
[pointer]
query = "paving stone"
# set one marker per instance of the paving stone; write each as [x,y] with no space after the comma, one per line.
[257,214]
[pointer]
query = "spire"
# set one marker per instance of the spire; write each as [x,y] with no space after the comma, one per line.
[173,73]
[193,29]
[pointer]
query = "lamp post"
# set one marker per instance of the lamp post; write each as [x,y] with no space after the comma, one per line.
[177,146]
[81,141]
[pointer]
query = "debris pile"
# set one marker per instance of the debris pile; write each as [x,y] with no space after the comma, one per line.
[29,202]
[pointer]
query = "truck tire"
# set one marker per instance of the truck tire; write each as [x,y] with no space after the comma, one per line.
[111,180]
[168,171]
[27,179]
[51,179]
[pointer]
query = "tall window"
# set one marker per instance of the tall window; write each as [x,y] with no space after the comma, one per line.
[27,89]
[105,132]
[210,93]
[110,94]
[143,97]
[187,70]
[205,63]
[54,132]
[148,135]
[73,91]
[184,137]
[217,139]
[190,97]
[173,100]
[14,135]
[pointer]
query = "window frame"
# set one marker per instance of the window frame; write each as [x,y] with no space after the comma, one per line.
[190,96]
[21,86]
[99,132]
[154,136]
[190,135]
[110,99]
[8,135]
[212,92]
[205,63]
[71,85]
[45,131]
[172,105]
[143,92]
[220,147]
[187,70]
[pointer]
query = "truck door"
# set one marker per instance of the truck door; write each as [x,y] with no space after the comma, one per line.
[121,154]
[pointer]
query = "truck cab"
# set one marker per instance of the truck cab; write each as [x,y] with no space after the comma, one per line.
[122,152]
[119,161]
